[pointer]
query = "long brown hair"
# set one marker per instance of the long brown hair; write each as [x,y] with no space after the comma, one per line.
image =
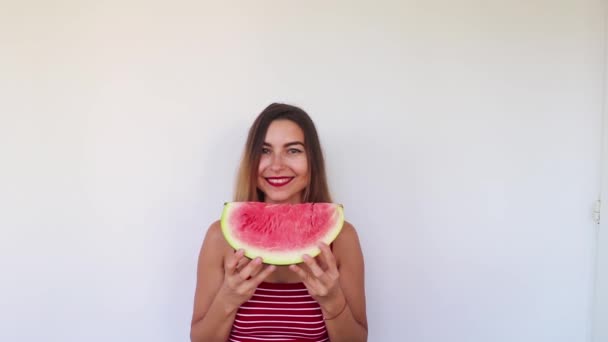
[246,184]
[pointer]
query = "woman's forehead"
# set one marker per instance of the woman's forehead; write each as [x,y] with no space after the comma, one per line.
[282,132]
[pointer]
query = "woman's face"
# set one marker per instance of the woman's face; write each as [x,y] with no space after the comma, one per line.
[283,170]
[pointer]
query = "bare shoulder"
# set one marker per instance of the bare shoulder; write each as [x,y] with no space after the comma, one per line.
[348,235]
[347,246]
[214,232]
[214,243]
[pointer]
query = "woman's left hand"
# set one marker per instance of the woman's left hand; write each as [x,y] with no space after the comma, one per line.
[322,281]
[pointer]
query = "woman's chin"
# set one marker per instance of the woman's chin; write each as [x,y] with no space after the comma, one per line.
[279,199]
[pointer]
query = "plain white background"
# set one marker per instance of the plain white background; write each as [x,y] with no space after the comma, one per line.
[600,323]
[462,137]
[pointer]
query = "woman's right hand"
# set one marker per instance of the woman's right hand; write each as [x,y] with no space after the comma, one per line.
[241,277]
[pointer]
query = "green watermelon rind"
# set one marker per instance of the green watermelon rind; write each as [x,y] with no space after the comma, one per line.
[279,258]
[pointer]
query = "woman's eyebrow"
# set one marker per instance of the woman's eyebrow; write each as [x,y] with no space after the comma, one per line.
[287,144]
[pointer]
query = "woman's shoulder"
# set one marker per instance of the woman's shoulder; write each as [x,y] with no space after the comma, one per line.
[347,239]
[215,239]
[346,246]
[214,231]
[348,233]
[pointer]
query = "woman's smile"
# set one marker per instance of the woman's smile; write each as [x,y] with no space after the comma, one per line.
[278,181]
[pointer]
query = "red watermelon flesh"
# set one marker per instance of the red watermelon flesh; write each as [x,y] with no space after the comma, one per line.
[280,233]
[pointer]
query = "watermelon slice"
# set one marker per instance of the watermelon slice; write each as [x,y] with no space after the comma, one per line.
[281,233]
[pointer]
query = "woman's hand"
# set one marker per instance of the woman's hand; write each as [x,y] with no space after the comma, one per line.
[322,281]
[241,277]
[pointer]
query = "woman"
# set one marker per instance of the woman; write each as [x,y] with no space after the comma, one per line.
[282,163]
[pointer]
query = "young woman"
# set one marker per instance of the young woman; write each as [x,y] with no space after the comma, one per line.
[321,299]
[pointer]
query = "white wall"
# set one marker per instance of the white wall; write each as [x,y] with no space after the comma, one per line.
[600,314]
[462,137]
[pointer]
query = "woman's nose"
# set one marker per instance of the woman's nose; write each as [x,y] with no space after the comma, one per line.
[276,162]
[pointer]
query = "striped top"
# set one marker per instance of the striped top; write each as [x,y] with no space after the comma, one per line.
[279,313]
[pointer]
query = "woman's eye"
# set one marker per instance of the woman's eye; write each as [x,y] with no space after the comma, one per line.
[265,150]
[294,151]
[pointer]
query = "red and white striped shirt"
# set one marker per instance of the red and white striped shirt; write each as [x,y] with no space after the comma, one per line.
[279,313]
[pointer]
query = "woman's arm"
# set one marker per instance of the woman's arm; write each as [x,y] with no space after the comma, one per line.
[336,281]
[220,288]
[351,324]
